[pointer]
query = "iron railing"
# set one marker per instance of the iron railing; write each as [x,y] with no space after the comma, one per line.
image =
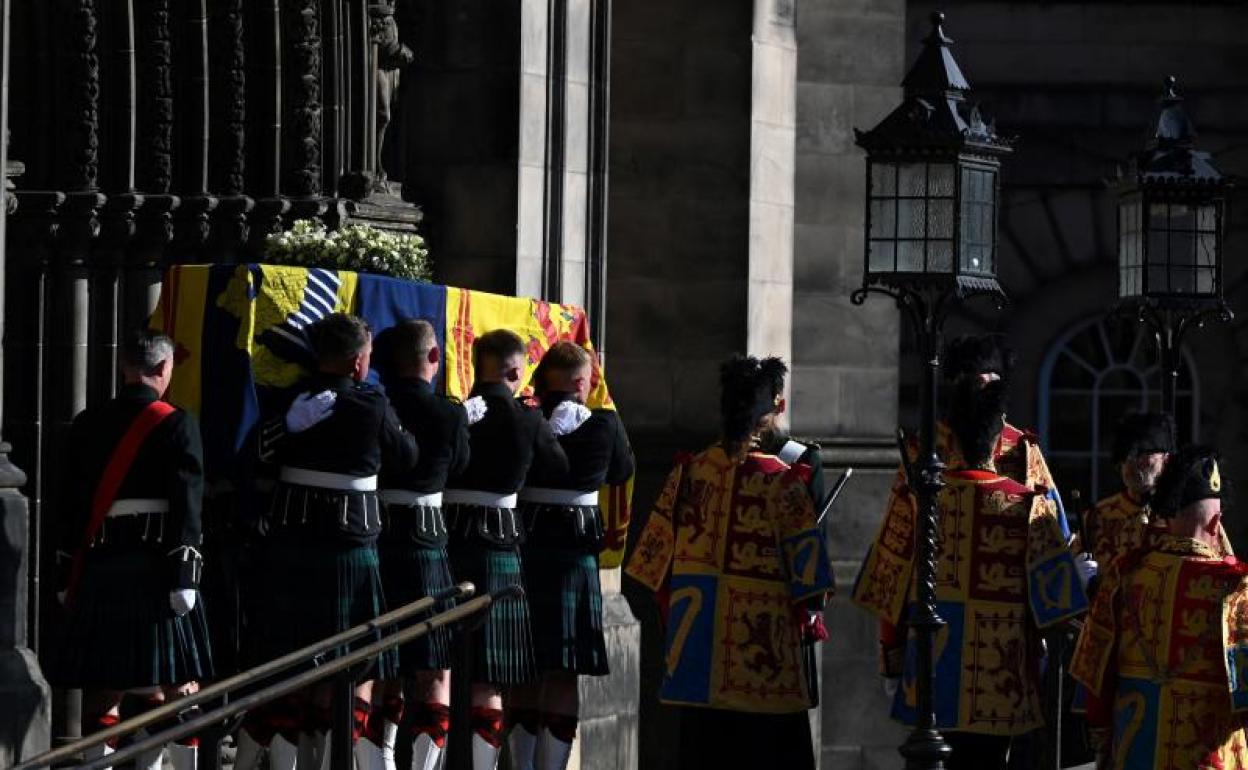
[341,748]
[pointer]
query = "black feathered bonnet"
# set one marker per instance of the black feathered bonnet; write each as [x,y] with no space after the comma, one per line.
[972,354]
[750,388]
[1143,433]
[1190,475]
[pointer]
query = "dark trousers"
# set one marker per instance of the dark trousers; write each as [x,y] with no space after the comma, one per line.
[977,752]
[714,739]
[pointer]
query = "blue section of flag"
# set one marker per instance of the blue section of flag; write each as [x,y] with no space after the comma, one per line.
[230,413]
[947,656]
[1237,668]
[1054,589]
[690,634]
[1136,708]
[382,302]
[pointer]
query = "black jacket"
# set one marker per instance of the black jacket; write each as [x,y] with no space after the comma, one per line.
[505,442]
[440,427]
[169,465]
[359,437]
[598,452]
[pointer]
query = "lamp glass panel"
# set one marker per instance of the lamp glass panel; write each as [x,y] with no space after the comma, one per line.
[883,179]
[910,256]
[940,218]
[977,241]
[884,219]
[1130,246]
[940,256]
[912,180]
[911,219]
[882,256]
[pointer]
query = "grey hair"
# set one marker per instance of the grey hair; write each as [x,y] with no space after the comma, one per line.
[144,350]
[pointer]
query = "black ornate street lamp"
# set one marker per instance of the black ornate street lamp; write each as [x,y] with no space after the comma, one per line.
[1171,210]
[932,198]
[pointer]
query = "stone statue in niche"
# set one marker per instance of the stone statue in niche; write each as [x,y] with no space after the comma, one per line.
[392,58]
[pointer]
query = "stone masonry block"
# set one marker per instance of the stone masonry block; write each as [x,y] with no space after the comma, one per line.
[825,124]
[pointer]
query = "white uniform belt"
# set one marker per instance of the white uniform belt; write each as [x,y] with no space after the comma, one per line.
[408,497]
[546,496]
[326,480]
[475,497]
[134,506]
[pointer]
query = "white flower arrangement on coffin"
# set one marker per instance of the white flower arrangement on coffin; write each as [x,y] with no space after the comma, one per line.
[362,248]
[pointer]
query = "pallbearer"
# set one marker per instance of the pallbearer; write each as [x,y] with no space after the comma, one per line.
[733,548]
[132,564]
[320,552]
[486,531]
[564,535]
[414,563]
[1165,647]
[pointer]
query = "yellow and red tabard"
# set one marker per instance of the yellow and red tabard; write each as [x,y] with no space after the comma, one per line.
[1164,655]
[735,546]
[1119,524]
[1003,570]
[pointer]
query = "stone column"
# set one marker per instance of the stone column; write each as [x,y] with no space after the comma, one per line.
[25,699]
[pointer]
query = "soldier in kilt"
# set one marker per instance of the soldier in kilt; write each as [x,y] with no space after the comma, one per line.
[319,563]
[414,563]
[134,622]
[564,535]
[486,531]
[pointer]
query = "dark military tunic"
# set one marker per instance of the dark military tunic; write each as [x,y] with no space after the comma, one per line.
[561,550]
[414,563]
[484,540]
[320,551]
[120,631]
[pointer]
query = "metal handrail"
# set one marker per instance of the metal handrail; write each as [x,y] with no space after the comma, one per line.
[299,681]
[265,670]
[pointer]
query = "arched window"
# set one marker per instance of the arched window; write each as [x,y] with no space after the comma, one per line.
[1092,375]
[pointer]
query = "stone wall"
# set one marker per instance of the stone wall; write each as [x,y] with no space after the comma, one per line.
[845,358]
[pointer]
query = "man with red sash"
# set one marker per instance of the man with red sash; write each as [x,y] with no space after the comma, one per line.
[131,539]
[1165,648]
[1004,571]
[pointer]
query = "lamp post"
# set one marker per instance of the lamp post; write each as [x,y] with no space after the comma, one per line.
[1171,210]
[931,239]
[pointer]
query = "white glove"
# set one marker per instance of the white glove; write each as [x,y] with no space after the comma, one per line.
[476,409]
[1087,569]
[183,601]
[891,683]
[567,417]
[62,597]
[308,410]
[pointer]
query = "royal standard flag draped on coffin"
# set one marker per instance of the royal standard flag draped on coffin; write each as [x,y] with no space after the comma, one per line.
[239,335]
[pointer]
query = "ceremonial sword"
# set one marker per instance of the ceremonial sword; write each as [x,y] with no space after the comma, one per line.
[836,491]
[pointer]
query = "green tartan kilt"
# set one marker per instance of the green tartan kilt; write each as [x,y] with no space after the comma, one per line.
[496,649]
[565,598]
[314,588]
[120,633]
[409,572]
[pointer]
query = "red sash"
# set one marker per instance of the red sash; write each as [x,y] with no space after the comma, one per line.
[114,473]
